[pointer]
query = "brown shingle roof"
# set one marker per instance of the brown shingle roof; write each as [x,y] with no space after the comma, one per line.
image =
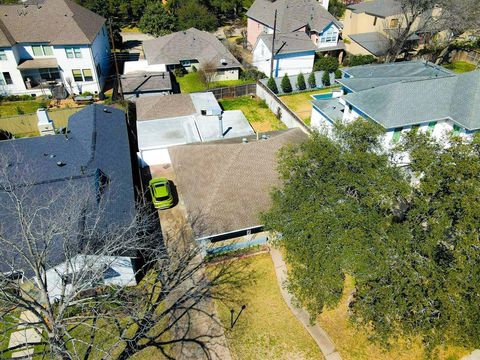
[162,107]
[57,22]
[227,184]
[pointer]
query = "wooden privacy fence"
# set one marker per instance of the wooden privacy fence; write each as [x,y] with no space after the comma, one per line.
[26,125]
[234,91]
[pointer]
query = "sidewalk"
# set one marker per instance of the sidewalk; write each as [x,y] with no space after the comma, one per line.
[318,334]
[23,334]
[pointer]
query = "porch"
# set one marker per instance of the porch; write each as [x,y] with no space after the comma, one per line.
[40,73]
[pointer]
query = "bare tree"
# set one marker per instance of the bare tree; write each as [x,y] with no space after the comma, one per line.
[207,72]
[57,252]
[415,16]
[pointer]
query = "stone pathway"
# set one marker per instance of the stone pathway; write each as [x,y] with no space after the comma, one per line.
[23,334]
[318,334]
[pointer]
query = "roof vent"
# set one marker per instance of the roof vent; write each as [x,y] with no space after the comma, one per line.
[223,61]
[245,140]
[60,163]
[264,136]
[105,110]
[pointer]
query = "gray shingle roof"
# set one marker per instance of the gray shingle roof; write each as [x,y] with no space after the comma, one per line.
[97,141]
[292,14]
[455,97]
[228,184]
[398,69]
[57,22]
[191,44]
[159,107]
[374,42]
[289,43]
[146,82]
[380,8]
[332,108]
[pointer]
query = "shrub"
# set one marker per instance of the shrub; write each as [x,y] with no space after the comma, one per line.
[338,74]
[86,93]
[252,74]
[327,63]
[301,82]
[356,60]
[178,72]
[20,111]
[286,84]
[326,78]
[312,82]
[194,68]
[43,104]
[272,85]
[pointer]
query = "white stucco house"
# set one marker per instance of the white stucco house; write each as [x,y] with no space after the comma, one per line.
[405,96]
[294,54]
[50,46]
[186,49]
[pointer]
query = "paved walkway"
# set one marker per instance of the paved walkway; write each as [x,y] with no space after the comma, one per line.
[318,334]
[23,334]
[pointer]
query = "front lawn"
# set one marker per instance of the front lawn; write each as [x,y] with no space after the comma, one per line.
[460,67]
[354,344]
[191,83]
[256,111]
[300,103]
[266,329]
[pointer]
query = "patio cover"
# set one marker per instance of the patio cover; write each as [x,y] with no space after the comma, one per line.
[38,64]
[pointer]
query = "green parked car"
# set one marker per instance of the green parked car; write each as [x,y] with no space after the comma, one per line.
[161,193]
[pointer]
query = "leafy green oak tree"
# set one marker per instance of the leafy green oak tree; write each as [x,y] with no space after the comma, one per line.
[157,21]
[409,237]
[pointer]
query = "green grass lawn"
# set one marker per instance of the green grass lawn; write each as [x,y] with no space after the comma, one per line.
[12,108]
[256,111]
[266,329]
[191,83]
[460,67]
[300,103]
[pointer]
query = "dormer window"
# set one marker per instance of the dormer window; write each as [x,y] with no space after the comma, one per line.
[42,50]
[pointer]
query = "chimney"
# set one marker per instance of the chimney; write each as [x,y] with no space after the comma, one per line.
[44,124]
[220,126]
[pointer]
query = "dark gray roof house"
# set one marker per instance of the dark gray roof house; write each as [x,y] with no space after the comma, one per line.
[454,97]
[292,15]
[56,22]
[191,44]
[95,151]
[142,84]
[227,183]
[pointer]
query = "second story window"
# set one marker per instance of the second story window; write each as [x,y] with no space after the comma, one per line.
[329,36]
[6,79]
[73,52]
[3,56]
[82,75]
[42,50]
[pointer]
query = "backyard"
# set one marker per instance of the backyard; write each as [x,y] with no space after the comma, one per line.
[256,111]
[300,104]
[191,83]
[460,67]
[266,329]
[11,108]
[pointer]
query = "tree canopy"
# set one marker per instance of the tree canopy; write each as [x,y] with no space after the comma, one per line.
[411,245]
[156,20]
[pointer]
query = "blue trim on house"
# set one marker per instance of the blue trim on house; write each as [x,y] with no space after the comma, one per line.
[327,27]
[346,75]
[346,90]
[277,66]
[358,111]
[295,54]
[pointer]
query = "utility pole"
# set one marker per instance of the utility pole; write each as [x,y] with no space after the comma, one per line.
[117,75]
[273,44]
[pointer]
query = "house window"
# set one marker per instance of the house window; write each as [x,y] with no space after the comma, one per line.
[6,79]
[396,135]
[42,50]
[87,75]
[393,23]
[329,36]
[77,75]
[3,56]
[73,53]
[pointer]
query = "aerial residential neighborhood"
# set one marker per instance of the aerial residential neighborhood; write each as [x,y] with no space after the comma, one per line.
[240,179]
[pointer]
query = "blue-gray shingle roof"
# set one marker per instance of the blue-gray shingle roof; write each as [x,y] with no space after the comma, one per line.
[454,97]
